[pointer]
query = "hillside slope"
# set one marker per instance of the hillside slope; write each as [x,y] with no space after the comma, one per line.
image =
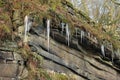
[74,52]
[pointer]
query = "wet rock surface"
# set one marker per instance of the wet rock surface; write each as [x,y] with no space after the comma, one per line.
[72,60]
[76,59]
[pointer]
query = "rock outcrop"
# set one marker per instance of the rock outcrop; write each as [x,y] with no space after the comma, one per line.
[74,53]
[71,60]
[11,64]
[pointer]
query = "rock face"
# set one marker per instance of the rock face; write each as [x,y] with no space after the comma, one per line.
[75,60]
[11,65]
[72,60]
[81,59]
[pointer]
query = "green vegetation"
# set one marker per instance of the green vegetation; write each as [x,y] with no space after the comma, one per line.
[1,3]
[67,3]
[34,64]
[57,12]
[44,1]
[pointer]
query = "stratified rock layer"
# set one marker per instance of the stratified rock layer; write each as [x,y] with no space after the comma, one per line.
[11,65]
[76,61]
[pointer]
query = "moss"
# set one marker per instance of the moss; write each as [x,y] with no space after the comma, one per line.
[64,2]
[53,4]
[16,4]
[58,76]
[6,28]
[4,16]
[84,16]
[63,18]
[43,74]
[2,3]
[5,32]
[38,58]
[44,1]
[23,52]
[53,7]
[36,72]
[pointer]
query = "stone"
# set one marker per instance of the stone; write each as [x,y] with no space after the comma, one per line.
[37,30]
[17,57]
[64,59]
[8,70]
[33,49]
[4,78]
[24,74]
[11,66]
[6,55]
[20,30]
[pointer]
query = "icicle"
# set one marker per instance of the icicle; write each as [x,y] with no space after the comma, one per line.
[26,28]
[76,31]
[82,35]
[48,33]
[62,24]
[67,34]
[103,50]
[112,55]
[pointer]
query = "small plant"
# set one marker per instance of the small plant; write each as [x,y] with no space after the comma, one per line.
[5,32]
[60,77]
[44,1]
[1,3]
[4,16]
